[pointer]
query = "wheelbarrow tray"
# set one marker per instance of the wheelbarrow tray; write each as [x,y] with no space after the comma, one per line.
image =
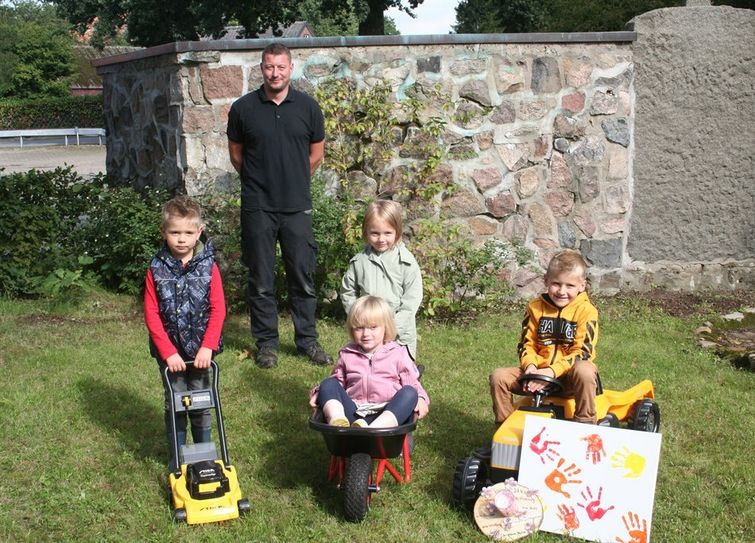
[377,442]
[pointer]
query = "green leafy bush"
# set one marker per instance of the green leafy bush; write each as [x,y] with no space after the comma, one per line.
[120,230]
[460,279]
[223,226]
[336,245]
[36,218]
[36,51]
[52,218]
[367,133]
[64,112]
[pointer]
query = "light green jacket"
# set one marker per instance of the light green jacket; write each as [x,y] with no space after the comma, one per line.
[394,276]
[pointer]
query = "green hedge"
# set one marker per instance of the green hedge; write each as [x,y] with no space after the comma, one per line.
[66,112]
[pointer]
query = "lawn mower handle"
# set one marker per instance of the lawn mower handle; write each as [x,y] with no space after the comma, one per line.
[218,412]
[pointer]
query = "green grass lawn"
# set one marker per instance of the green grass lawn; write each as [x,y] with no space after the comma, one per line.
[83,451]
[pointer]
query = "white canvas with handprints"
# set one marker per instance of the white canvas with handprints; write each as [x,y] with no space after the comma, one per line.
[596,483]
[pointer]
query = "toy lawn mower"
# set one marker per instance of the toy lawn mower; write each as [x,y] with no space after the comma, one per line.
[203,488]
[634,408]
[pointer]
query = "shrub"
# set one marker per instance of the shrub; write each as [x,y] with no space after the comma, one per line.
[378,148]
[336,244]
[36,58]
[119,231]
[460,280]
[65,112]
[52,218]
[223,226]
[36,218]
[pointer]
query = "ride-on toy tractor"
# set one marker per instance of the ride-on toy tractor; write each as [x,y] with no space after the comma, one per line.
[634,407]
[203,488]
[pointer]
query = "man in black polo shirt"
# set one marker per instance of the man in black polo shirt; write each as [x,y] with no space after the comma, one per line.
[276,141]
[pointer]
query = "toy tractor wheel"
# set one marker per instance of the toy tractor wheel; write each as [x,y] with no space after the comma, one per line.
[469,478]
[356,485]
[179,515]
[647,417]
[610,420]
[244,506]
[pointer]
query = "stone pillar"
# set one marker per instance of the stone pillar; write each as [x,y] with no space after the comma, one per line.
[694,192]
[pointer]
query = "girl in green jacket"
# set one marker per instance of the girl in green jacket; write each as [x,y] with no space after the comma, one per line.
[386,268]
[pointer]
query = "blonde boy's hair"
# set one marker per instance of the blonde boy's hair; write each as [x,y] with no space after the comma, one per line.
[181,207]
[567,261]
[385,210]
[372,311]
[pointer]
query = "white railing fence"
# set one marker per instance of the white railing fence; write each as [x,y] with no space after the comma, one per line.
[74,134]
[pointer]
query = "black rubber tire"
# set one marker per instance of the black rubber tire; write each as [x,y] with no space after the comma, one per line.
[467,483]
[610,420]
[244,506]
[647,417]
[179,515]
[356,482]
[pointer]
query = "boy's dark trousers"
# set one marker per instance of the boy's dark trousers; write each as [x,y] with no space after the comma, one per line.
[201,420]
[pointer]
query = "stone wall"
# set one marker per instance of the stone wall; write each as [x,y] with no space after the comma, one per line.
[541,140]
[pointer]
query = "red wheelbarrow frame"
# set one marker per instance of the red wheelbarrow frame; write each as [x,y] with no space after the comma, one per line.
[337,466]
[380,444]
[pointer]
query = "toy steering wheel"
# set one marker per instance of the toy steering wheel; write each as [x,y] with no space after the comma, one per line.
[553,385]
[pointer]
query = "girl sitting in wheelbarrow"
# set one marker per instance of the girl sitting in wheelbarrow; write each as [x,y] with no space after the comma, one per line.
[375,383]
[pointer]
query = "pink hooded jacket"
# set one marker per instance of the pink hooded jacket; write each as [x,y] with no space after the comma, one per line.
[377,379]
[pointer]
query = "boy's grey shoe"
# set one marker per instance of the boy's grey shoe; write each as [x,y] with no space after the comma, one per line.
[317,355]
[266,357]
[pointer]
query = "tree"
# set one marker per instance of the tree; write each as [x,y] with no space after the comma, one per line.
[374,23]
[370,14]
[339,21]
[36,52]
[152,22]
[489,16]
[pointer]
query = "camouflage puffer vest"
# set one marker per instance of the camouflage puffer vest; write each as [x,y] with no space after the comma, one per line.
[183,294]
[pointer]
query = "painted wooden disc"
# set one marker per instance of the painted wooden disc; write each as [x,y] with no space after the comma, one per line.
[522,515]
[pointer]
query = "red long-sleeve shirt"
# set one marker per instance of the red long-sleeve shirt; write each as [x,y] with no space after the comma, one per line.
[155,326]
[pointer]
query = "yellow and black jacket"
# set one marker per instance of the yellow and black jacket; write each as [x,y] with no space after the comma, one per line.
[556,338]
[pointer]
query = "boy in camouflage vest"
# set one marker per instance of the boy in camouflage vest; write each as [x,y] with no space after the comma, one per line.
[184,309]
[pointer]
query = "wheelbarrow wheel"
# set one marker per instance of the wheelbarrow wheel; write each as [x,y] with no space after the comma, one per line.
[356,486]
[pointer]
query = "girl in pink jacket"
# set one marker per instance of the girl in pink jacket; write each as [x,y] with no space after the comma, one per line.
[375,382]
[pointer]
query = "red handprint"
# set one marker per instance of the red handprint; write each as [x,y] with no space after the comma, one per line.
[632,524]
[569,517]
[594,511]
[557,479]
[543,449]
[595,450]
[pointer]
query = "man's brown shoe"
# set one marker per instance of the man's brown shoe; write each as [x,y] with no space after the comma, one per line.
[266,357]
[317,355]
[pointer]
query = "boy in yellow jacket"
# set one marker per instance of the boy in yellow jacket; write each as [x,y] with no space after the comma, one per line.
[558,339]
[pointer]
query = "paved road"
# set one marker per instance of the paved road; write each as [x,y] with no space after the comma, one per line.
[85,159]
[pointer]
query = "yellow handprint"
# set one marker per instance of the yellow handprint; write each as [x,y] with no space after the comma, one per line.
[632,462]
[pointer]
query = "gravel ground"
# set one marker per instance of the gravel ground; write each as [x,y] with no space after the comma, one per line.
[86,159]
